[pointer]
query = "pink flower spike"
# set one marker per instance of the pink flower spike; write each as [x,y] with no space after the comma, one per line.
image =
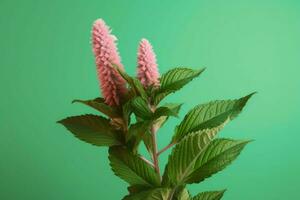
[147,71]
[113,86]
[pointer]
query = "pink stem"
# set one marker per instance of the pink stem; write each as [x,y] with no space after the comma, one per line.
[165,148]
[147,161]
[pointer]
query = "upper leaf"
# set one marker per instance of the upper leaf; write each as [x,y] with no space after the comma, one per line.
[212,195]
[141,108]
[139,88]
[163,113]
[131,168]
[134,83]
[136,133]
[219,154]
[153,194]
[93,129]
[173,80]
[167,110]
[184,155]
[209,115]
[126,112]
[147,139]
[99,105]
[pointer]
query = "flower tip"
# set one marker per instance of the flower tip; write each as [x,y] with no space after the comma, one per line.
[99,21]
[100,26]
[144,42]
[147,71]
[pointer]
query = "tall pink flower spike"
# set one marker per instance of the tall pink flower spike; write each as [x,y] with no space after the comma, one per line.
[112,85]
[147,71]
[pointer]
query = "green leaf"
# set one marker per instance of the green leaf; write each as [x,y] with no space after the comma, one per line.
[141,108]
[150,91]
[126,112]
[139,88]
[134,83]
[173,80]
[153,194]
[136,133]
[209,115]
[167,110]
[131,168]
[183,194]
[92,129]
[147,139]
[219,154]
[138,129]
[134,189]
[161,121]
[99,105]
[124,75]
[183,156]
[212,195]
[173,109]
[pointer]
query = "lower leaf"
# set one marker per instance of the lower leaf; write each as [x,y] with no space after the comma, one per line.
[185,154]
[99,105]
[92,129]
[131,168]
[219,154]
[134,189]
[212,195]
[154,194]
[183,194]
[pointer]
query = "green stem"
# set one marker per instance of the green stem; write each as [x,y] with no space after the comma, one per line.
[155,155]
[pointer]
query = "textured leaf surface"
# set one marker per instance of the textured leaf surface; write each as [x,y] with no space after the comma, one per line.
[131,168]
[134,189]
[147,139]
[183,156]
[154,194]
[167,110]
[92,129]
[134,83]
[162,114]
[175,79]
[219,154]
[136,133]
[139,88]
[182,195]
[212,195]
[126,112]
[99,105]
[141,108]
[209,115]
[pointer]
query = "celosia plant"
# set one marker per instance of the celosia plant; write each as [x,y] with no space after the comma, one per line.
[132,115]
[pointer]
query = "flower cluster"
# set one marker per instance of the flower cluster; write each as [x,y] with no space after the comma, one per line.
[147,70]
[112,85]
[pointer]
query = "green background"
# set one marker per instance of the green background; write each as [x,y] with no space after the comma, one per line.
[46,61]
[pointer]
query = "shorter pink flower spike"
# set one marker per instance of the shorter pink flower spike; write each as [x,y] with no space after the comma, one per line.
[147,71]
[112,84]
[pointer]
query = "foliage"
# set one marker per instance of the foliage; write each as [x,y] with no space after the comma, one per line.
[196,155]
[131,113]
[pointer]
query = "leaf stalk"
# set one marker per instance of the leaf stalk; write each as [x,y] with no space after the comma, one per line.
[165,148]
